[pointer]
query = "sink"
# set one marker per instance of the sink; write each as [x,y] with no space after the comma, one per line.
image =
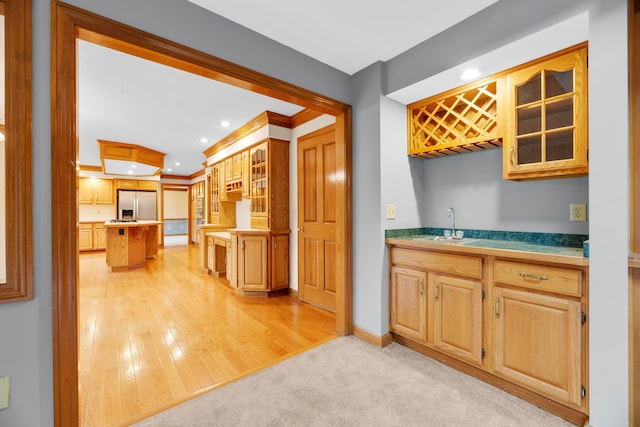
[441,239]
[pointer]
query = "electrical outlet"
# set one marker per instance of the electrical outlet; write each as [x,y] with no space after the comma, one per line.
[391,211]
[5,383]
[578,212]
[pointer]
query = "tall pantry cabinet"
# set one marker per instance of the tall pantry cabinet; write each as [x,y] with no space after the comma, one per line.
[261,253]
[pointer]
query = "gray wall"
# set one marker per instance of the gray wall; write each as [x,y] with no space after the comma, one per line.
[380,169]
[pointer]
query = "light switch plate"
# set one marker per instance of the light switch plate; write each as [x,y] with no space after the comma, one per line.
[391,211]
[5,384]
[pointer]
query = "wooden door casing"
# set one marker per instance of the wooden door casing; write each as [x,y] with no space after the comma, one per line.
[70,23]
[317,248]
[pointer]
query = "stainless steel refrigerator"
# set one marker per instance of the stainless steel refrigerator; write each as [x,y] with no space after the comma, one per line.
[141,204]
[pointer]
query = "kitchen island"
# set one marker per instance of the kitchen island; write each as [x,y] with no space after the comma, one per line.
[130,244]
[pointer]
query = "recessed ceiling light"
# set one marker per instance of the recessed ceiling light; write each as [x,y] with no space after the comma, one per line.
[204,140]
[470,73]
[134,166]
[225,123]
[177,163]
[130,172]
[169,170]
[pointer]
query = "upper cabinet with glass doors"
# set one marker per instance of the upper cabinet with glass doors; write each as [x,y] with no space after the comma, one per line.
[269,182]
[546,134]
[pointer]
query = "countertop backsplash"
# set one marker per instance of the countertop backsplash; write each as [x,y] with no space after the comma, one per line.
[547,239]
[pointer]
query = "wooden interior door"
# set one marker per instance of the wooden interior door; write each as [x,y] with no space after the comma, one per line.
[317,218]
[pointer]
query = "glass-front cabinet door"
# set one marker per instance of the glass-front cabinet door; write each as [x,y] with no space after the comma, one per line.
[547,118]
[259,182]
[214,185]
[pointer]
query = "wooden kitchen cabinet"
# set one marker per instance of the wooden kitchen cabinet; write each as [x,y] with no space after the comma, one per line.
[85,237]
[408,306]
[258,262]
[538,328]
[197,190]
[279,246]
[516,322]
[431,303]
[214,197]
[136,184]
[99,236]
[547,129]
[457,316]
[233,176]
[95,191]
[252,262]
[538,343]
[269,185]
[246,186]
[236,167]
[228,169]
[92,236]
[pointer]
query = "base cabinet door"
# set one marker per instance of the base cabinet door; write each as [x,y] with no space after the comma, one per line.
[279,261]
[210,254]
[85,237]
[538,343]
[252,262]
[99,236]
[408,307]
[457,317]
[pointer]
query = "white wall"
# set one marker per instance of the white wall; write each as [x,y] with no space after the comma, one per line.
[472,184]
[176,204]
[609,231]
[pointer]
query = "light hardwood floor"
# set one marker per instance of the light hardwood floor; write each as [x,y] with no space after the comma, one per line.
[156,336]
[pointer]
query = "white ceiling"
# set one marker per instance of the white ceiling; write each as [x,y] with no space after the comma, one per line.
[347,34]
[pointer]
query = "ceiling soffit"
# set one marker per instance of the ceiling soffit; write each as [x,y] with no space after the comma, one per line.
[119,158]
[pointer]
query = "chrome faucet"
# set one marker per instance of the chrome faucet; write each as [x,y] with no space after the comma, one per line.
[452,214]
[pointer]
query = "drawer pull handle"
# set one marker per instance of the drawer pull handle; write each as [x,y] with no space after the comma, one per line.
[498,307]
[437,291]
[533,276]
[421,286]
[512,156]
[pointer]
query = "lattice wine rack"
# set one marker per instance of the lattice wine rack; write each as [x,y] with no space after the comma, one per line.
[459,121]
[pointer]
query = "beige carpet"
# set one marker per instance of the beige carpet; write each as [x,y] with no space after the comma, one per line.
[347,382]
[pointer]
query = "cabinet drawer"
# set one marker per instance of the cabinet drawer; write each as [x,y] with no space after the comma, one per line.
[553,279]
[463,265]
[220,242]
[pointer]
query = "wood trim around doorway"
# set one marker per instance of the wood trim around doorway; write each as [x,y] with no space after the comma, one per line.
[69,23]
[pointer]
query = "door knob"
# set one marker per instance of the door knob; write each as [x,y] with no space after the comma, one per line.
[300,229]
